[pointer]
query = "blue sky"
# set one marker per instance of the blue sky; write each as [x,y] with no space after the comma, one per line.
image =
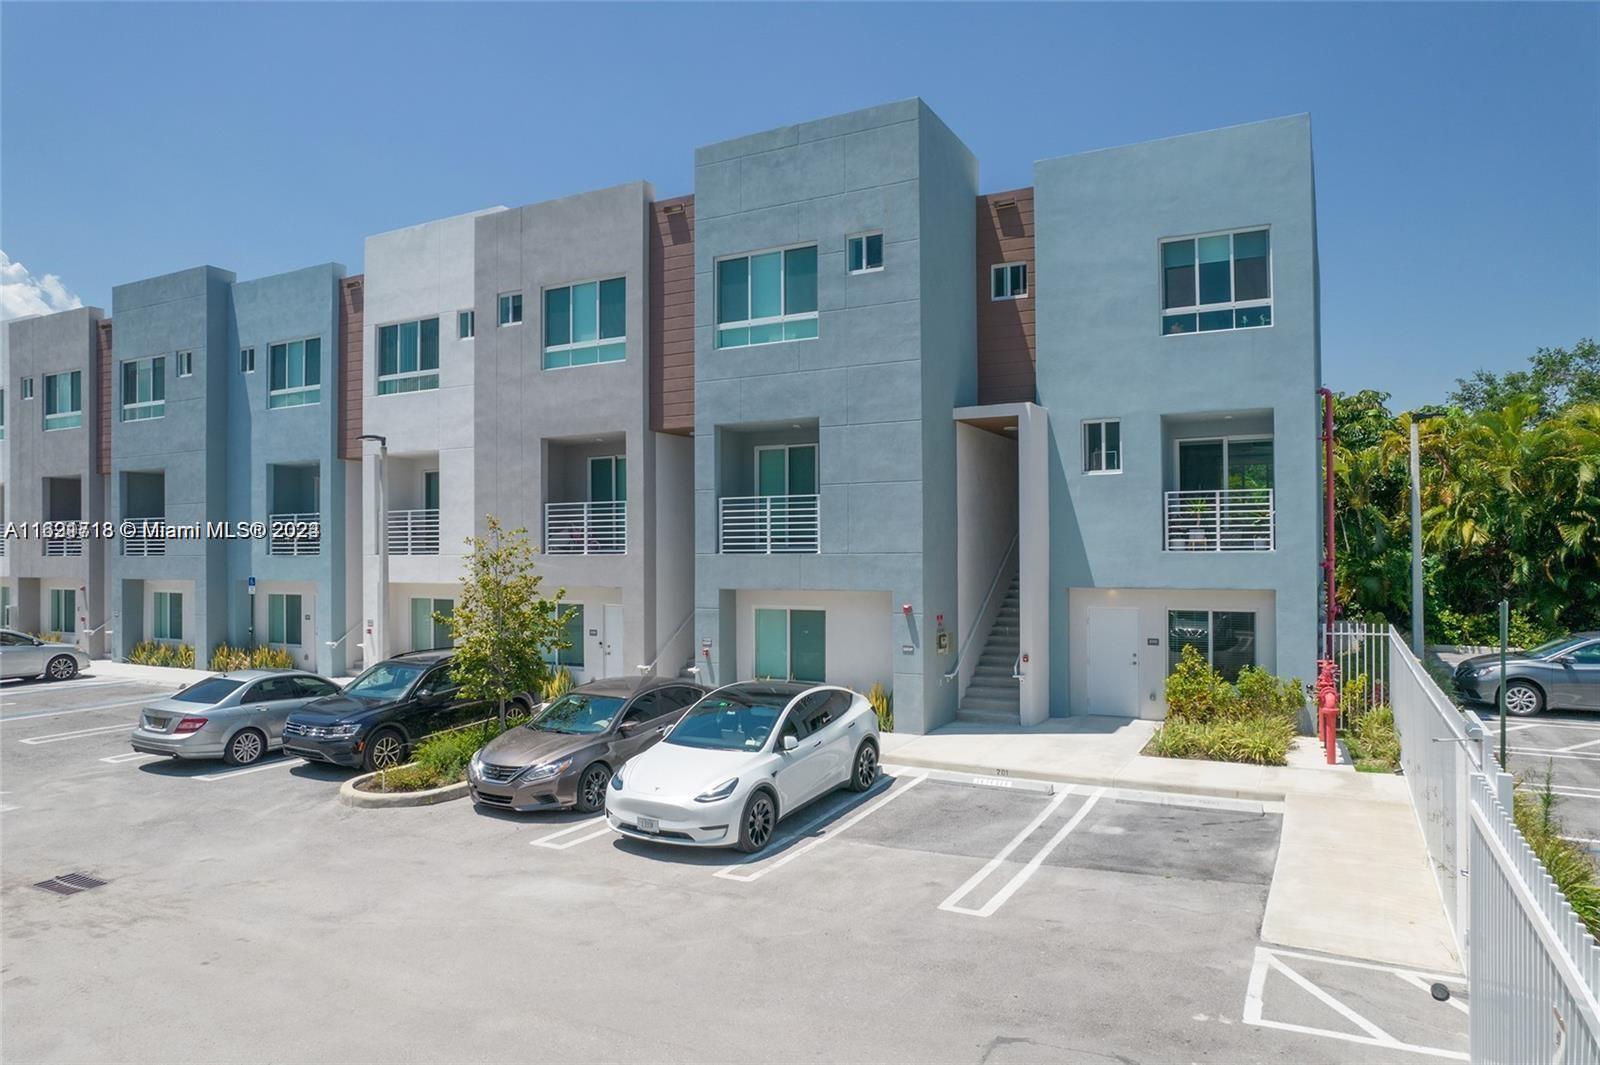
[1457,146]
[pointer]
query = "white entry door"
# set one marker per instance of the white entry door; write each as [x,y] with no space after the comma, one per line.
[611,640]
[1113,680]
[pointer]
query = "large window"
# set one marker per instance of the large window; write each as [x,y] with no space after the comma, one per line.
[144,389]
[283,620]
[585,323]
[608,479]
[572,633]
[63,610]
[408,356]
[63,400]
[295,373]
[1102,446]
[167,622]
[1227,638]
[766,298]
[790,644]
[1221,281]
[427,632]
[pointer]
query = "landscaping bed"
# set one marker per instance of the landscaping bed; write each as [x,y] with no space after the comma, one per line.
[1253,721]
[438,761]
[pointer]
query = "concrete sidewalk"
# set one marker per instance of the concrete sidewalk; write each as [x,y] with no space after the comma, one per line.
[1352,876]
[163,676]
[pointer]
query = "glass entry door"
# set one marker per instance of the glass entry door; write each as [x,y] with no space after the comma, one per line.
[1213,465]
[790,644]
[784,472]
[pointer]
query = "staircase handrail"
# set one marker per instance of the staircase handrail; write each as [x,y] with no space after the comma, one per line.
[983,607]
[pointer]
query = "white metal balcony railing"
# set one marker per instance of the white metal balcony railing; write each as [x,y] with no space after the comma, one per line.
[63,546]
[586,528]
[413,532]
[1236,519]
[294,534]
[145,542]
[769,525]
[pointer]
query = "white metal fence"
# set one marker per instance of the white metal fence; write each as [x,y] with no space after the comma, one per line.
[1532,966]
[1234,519]
[1361,662]
[769,525]
[599,528]
[413,532]
[63,546]
[294,534]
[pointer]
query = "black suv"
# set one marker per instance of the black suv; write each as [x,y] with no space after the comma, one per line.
[373,723]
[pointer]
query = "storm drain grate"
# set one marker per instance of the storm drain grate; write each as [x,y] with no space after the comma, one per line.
[69,883]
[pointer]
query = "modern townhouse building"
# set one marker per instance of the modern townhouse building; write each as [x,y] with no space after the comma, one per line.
[53,464]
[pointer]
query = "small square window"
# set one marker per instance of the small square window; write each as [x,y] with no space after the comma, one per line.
[467,324]
[864,253]
[1008,281]
[1102,446]
[510,308]
[27,388]
[247,360]
[185,364]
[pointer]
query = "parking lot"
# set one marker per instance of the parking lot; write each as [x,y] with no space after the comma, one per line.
[1567,744]
[248,916]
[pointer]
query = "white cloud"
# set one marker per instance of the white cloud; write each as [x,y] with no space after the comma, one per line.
[21,293]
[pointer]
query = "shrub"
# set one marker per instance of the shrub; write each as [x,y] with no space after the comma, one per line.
[1568,863]
[442,758]
[559,684]
[1258,740]
[1198,693]
[226,657]
[882,701]
[1373,742]
[1483,629]
[152,653]
[1262,694]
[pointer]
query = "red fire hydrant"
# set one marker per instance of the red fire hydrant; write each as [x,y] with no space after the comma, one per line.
[1328,708]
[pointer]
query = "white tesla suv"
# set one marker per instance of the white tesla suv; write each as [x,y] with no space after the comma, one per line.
[742,759]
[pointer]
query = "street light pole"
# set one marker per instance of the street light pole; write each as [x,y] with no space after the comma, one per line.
[380,495]
[1416,538]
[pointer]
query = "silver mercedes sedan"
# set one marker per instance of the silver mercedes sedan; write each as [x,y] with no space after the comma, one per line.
[237,717]
[22,655]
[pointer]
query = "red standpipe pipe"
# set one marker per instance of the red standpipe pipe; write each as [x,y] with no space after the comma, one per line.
[1331,606]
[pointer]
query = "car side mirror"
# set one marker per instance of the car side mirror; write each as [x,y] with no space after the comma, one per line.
[789,742]
[1565,660]
[629,728]
[38,642]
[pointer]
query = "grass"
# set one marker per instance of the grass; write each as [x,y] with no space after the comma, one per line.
[1251,740]
[441,759]
[1373,743]
[1568,863]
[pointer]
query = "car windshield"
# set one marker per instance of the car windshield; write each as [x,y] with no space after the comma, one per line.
[730,721]
[577,714]
[210,690]
[386,680]
[1553,647]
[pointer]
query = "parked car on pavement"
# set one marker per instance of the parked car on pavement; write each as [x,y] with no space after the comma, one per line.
[237,717]
[565,756]
[1563,674]
[742,759]
[22,655]
[378,717]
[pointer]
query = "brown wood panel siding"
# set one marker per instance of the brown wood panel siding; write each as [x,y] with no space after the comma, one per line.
[102,357]
[672,316]
[351,321]
[1007,350]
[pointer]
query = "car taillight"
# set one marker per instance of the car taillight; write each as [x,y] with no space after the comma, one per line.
[191,724]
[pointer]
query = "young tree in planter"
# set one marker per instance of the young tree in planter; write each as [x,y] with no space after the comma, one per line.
[502,626]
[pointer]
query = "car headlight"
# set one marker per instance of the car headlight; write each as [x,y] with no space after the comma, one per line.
[721,791]
[343,731]
[1484,671]
[549,769]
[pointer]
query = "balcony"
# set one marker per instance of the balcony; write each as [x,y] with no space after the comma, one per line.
[1237,519]
[294,534]
[599,528]
[63,546]
[413,532]
[769,525]
[147,540]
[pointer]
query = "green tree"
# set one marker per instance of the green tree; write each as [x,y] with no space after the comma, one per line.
[1559,378]
[503,627]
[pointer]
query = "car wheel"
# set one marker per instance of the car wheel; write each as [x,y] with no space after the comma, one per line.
[865,773]
[1523,699]
[62,667]
[757,822]
[386,750]
[592,789]
[246,747]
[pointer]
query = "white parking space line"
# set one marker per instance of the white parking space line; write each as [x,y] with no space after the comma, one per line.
[891,794]
[1005,852]
[74,710]
[229,774]
[131,756]
[58,737]
[1578,746]
[6,808]
[1024,874]
[1518,725]
[587,823]
[18,691]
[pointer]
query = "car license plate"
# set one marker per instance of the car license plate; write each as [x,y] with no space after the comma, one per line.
[649,824]
[158,723]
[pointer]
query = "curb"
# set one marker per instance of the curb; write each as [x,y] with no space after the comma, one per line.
[372,800]
[1130,782]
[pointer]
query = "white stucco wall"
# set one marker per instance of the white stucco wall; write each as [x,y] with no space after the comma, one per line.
[858,638]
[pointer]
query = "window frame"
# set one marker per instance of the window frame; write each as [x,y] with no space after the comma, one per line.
[1104,470]
[466,324]
[581,617]
[2,433]
[185,363]
[788,613]
[1197,308]
[1227,441]
[58,598]
[313,393]
[862,236]
[419,375]
[505,301]
[27,388]
[1011,293]
[572,346]
[434,625]
[782,318]
[247,359]
[299,621]
[162,619]
[65,419]
[1211,636]
[158,372]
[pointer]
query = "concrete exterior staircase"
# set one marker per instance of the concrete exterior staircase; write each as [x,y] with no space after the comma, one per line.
[995,696]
